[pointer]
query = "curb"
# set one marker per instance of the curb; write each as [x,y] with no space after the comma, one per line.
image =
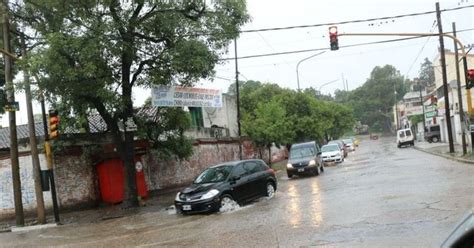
[462,160]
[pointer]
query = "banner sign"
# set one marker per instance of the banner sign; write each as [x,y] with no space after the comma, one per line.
[177,96]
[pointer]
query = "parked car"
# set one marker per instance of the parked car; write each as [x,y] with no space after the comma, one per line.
[304,158]
[405,137]
[220,185]
[332,153]
[341,145]
[349,144]
[433,133]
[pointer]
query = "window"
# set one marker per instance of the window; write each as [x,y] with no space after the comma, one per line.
[196,117]
[401,134]
[434,129]
[252,167]
[239,171]
[262,165]
[408,132]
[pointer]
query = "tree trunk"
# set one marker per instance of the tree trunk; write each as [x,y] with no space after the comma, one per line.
[270,155]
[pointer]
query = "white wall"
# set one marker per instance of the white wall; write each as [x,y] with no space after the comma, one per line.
[223,117]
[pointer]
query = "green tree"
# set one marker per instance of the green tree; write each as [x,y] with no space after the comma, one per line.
[164,128]
[268,125]
[373,101]
[97,52]
[427,74]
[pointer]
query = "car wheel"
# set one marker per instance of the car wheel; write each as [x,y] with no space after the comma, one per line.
[317,171]
[399,145]
[270,190]
[227,203]
[290,175]
[435,139]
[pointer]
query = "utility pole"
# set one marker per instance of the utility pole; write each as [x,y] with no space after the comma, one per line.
[33,142]
[445,80]
[238,97]
[19,215]
[460,103]
[343,82]
[396,108]
[422,107]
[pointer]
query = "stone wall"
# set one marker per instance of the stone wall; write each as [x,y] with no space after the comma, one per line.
[77,182]
[168,174]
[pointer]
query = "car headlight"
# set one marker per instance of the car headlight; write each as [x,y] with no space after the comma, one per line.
[177,196]
[289,166]
[312,162]
[210,194]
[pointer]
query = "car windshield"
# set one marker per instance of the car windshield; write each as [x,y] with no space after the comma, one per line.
[214,174]
[330,148]
[301,152]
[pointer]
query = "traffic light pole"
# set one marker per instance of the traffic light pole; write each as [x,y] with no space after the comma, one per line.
[49,161]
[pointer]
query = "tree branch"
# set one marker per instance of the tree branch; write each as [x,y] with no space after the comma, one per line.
[148,38]
[115,17]
[140,69]
[136,12]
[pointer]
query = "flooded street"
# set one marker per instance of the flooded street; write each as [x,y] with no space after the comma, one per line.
[380,196]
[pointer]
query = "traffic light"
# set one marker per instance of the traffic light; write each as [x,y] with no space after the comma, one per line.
[333,38]
[470,79]
[53,124]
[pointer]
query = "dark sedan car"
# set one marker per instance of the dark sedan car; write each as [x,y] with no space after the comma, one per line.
[222,184]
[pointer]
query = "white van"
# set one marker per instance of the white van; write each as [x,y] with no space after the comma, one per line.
[405,137]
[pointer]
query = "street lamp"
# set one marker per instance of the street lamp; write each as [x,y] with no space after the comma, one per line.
[298,64]
[330,82]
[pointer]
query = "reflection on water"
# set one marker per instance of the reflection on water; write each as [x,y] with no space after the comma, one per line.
[316,206]
[294,206]
[311,207]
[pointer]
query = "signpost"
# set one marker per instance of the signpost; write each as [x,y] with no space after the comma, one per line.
[177,96]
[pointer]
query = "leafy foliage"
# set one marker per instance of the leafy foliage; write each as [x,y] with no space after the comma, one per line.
[96,52]
[373,101]
[427,74]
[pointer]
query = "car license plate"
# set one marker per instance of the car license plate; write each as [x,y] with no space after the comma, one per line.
[300,170]
[186,207]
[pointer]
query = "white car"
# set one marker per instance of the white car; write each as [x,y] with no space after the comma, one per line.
[349,144]
[405,137]
[331,153]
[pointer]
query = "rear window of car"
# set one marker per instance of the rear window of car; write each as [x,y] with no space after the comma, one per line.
[408,132]
[434,129]
[252,167]
[401,134]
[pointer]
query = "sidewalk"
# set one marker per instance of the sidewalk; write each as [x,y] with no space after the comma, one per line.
[442,150]
[158,201]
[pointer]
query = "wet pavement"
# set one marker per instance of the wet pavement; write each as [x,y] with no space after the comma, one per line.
[381,196]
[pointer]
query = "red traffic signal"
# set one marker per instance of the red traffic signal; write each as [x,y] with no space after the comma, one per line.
[333,38]
[53,124]
[470,79]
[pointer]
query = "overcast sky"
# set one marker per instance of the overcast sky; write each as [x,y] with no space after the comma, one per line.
[355,64]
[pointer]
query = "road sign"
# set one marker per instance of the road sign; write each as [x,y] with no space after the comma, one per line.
[11,107]
[431,114]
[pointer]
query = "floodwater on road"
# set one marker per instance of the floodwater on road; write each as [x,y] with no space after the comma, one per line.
[380,196]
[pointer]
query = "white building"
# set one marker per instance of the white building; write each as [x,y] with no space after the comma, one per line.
[452,94]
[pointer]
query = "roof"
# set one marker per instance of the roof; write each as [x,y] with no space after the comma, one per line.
[96,125]
[304,144]
[22,133]
[413,94]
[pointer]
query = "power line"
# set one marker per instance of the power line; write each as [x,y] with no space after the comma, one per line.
[422,48]
[322,49]
[353,21]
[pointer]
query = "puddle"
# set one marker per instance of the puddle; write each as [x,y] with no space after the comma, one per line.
[230,207]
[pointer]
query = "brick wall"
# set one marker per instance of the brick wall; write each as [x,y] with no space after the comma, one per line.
[77,182]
